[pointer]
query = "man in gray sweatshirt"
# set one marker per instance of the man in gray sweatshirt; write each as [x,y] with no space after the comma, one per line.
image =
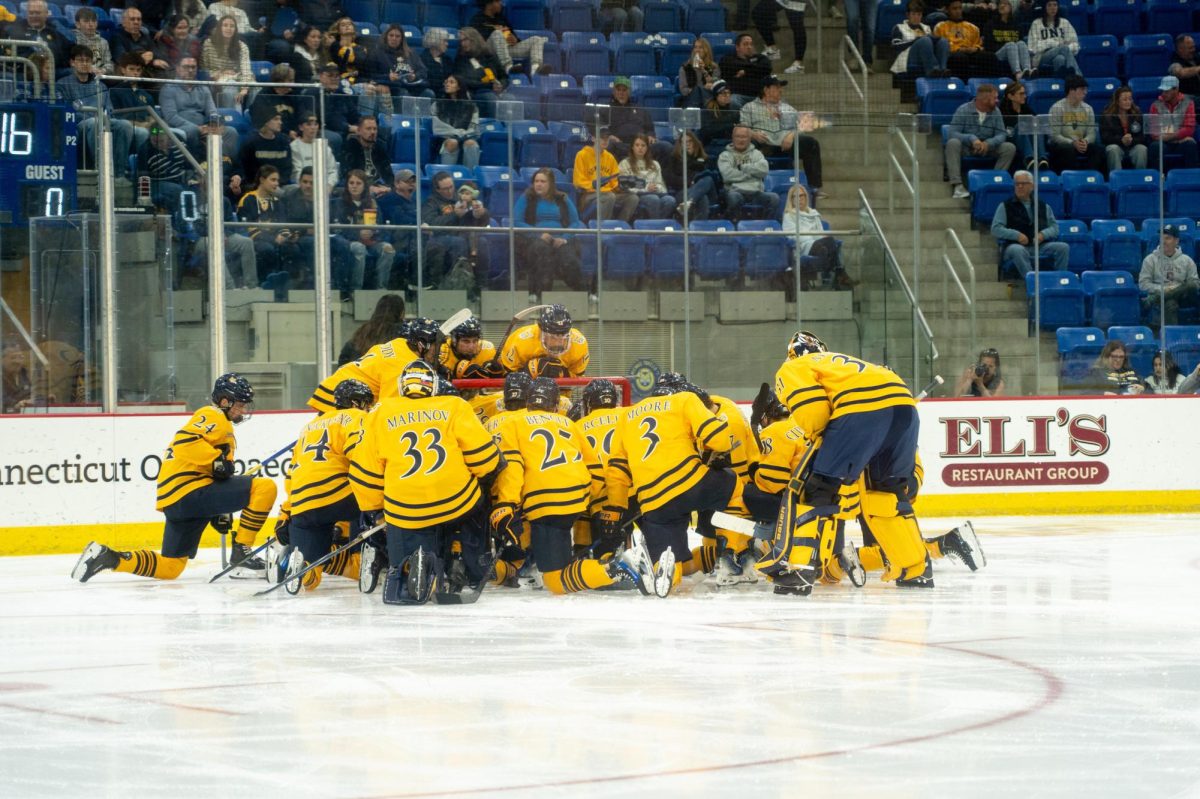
[1168,277]
[978,129]
[1073,131]
[743,168]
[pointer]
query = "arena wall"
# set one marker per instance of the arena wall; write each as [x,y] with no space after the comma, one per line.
[67,480]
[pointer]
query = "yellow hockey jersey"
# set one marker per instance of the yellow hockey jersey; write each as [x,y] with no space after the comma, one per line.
[525,344]
[456,366]
[487,406]
[320,470]
[549,468]
[420,460]
[654,449]
[821,386]
[783,444]
[744,449]
[187,463]
[379,368]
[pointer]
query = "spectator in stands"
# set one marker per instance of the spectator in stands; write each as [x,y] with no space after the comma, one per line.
[82,86]
[620,15]
[168,170]
[86,24]
[614,203]
[275,249]
[226,59]
[776,127]
[346,51]
[283,100]
[743,168]
[379,329]
[1168,278]
[744,70]
[809,239]
[195,11]
[1111,373]
[1053,43]
[437,64]
[191,109]
[248,33]
[1122,131]
[919,54]
[37,26]
[341,106]
[456,123]
[130,100]
[365,152]
[1002,38]
[1191,384]
[399,207]
[479,71]
[302,148]
[764,16]
[719,117]
[1165,379]
[627,120]
[1015,221]
[1172,125]
[645,180]
[133,37]
[1184,66]
[397,67]
[176,41]
[240,262]
[493,25]
[967,59]
[268,146]
[309,54]
[547,255]
[443,209]
[701,193]
[982,378]
[297,206]
[321,13]
[1012,108]
[860,18]
[1074,135]
[697,76]
[17,388]
[356,206]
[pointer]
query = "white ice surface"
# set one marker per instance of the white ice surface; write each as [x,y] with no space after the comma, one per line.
[1069,667]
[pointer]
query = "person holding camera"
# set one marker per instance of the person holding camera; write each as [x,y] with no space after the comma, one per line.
[983,379]
[641,175]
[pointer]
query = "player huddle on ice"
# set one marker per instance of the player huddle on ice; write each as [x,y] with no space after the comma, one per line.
[440,493]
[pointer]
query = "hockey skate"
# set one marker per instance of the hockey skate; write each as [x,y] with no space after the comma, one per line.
[793,583]
[371,562]
[746,561]
[95,559]
[246,567]
[295,564]
[848,560]
[276,560]
[418,585]
[635,562]
[922,580]
[962,543]
[728,571]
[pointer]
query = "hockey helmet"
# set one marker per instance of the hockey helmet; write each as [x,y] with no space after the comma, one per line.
[672,380]
[352,393]
[699,392]
[515,386]
[803,343]
[555,326]
[468,329]
[234,388]
[600,393]
[422,335]
[575,412]
[418,380]
[542,395]
[448,389]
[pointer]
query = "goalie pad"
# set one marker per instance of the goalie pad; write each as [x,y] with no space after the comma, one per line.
[415,582]
[895,529]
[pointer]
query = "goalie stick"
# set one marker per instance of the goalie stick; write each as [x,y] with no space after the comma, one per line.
[358,539]
[518,317]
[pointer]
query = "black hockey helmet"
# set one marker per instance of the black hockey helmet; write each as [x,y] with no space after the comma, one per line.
[468,329]
[447,389]
[671,380]
[351,393]
[233,387]
[803,343]
[422,334]
[515,386]
[600,393]
[555,319]
[542,395]
[418,380]
[575,412]
[699,392]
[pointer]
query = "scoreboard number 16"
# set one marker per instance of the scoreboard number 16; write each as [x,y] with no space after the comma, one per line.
[14,141]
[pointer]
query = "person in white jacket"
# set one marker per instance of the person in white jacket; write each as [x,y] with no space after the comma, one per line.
[799,219]
[1053,44]
[654,201]
[1168,277]
[302,151]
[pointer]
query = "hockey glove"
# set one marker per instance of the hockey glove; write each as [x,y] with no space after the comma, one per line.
[223,523]
[283,529]
[717,460]
[369,519]
[761,402]
[222,469]
[506,526]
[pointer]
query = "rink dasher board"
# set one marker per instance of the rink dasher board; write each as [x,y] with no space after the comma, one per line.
[66,480]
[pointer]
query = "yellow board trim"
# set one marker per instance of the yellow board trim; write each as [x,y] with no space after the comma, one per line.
[61,539]
[1058,503]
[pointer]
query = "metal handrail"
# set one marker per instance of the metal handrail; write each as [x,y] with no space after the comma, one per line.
[968,296]
[913,186]
[855,57]
[165,128]
[30,68]
[36,44]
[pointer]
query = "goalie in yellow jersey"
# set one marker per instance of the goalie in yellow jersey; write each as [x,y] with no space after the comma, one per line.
[552,339]
[380,368]
[196,487]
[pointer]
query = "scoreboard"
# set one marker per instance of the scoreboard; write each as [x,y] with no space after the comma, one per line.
[39,143]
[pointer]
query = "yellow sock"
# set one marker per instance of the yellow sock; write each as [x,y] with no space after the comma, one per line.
[257,510]
[146,563]
[704,559]
[738,542]
[677,577]
[504,570]
[311,580]
[344,565]
[579,575]
[934,548]
[871,558]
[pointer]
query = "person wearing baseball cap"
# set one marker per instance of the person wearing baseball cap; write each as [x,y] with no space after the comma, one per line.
[775,127]
[1172,125]
[1168,278]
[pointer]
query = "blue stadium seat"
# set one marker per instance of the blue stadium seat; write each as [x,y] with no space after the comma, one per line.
[1100,91]
[1050,191]
[404,135]
[1183,191]
[261,70]
[493,142]
[495,246]
[664,132]
[1135,193]
[989,189]
[1098,55]
[655,93]
[1001,84]
[1061,298]
[1148,54]
[402,12]
[1044,92]
[721,43]
[559,80]
[889,14]
[765,255]
[588,58]
[624,256]
[598,88]
[1078,348]
[1118,245]
[661,15]
[1087,194]
[1183,342]
[1079,13]
[235,119]
[1145,91]
[571,15]
[1112,297]
[677,52]
[634,57]
[536,146]
[440,14]
[1169,15]
[1140,345]
[562,103]
[362,10]
[704,16]
[716,257]
[1078,238]
[525,14]
[1116,16]
[1185,226]
[665,252]
[941,97]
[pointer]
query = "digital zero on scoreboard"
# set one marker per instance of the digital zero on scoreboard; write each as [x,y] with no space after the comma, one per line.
[39,143]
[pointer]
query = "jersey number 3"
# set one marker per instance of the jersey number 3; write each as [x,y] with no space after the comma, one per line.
[649,436]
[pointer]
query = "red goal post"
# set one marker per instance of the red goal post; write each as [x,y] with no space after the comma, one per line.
[622,384]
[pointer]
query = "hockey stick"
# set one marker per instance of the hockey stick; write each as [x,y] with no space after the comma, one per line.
[226,567]
[456,319]
[324,559]
[934,383]
[468,597]
[518,317]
